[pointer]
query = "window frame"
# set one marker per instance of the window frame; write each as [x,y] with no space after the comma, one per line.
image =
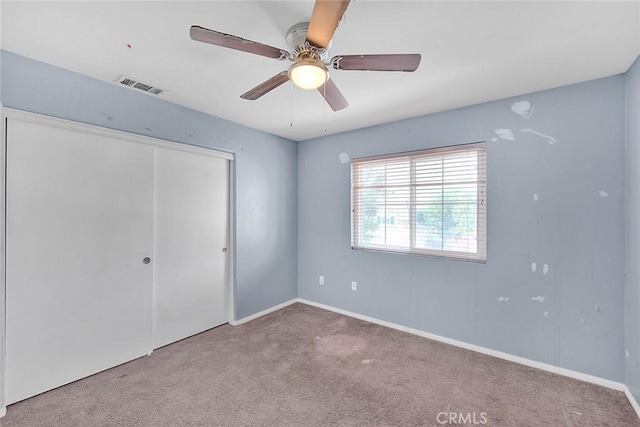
[479,256]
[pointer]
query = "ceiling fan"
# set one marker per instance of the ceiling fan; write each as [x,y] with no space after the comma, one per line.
[309,42]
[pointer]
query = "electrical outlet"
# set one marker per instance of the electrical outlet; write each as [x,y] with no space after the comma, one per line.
[354,286]
[321,280]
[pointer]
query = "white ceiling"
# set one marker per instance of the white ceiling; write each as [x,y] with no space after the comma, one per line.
[472,52]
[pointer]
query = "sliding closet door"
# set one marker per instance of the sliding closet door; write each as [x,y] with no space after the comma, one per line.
[191,223]
[79,224]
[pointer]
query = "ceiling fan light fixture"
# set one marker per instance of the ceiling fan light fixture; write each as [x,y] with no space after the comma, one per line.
[309,42]
[308,74]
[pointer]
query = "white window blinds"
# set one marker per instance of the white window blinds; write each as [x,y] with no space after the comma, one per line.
[430,202]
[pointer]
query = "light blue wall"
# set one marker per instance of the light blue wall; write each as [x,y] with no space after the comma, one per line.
[266,165]
[575,228]
[632,299]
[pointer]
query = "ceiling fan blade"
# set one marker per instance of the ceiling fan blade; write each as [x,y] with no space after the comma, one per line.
[325,18]
[333,96]
[403,62]
[266,87]
[234,42]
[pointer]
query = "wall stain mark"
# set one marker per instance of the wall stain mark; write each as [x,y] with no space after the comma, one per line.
[523,108]
[506,134]
[550,139]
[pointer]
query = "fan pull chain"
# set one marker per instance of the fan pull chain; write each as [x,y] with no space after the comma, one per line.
[324,107]
[291,103]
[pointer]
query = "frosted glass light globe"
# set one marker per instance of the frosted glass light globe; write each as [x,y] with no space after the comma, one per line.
[308,74]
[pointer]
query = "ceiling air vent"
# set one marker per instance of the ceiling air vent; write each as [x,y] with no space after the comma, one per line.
[128,81]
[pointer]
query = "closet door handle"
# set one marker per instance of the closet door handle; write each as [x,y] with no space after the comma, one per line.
[146,260]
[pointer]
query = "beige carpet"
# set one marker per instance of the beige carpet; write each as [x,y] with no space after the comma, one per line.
[302,366]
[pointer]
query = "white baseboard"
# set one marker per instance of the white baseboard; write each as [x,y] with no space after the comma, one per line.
[3,411]
[495,353]
[263,312]
[632,400]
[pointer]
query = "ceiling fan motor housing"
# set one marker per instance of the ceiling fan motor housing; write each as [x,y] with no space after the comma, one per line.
[300,48]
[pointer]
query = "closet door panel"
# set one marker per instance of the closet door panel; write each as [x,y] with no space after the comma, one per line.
[191,223]
[79,223]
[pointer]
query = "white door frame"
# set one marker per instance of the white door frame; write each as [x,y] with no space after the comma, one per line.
[10,113]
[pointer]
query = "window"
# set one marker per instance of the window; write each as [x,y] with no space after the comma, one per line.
[430,202]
